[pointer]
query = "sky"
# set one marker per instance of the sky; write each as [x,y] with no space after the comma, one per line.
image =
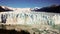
[28,3]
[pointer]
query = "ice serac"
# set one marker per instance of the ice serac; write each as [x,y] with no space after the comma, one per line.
[29,18]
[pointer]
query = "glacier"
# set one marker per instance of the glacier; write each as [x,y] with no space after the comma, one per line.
[29,18]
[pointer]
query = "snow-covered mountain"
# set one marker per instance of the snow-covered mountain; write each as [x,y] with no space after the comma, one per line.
[5,8]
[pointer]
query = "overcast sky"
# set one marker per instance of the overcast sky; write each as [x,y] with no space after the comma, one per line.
[28,3]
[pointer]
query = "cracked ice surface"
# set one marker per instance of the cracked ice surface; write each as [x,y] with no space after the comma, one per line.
[29,18]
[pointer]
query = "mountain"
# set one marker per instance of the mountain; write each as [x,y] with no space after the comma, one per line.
[4,8]
[53,9]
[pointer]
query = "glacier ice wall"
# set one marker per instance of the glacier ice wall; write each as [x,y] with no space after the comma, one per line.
[29,18]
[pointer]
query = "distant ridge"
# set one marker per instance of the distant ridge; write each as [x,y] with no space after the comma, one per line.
[52,9]
[4,8]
